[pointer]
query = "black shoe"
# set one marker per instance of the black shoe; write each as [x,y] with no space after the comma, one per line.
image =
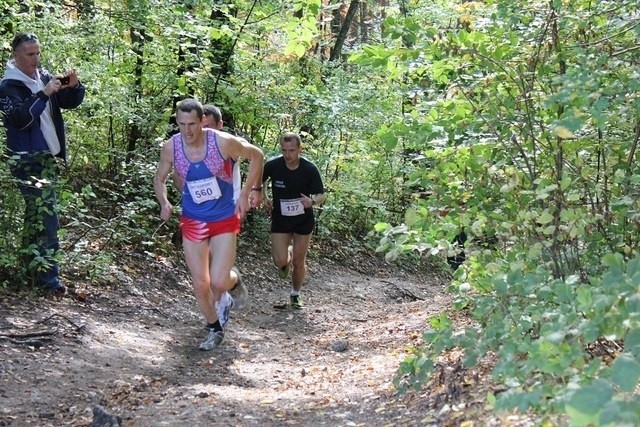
[55,292]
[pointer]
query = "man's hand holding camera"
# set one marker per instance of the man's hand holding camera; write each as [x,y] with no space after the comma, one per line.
[68,79]
[63,81]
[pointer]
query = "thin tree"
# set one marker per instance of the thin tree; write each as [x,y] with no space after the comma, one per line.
[344,30]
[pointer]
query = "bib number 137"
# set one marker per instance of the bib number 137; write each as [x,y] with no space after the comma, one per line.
[291,207]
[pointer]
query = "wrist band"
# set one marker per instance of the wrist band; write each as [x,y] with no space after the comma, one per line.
[256,189]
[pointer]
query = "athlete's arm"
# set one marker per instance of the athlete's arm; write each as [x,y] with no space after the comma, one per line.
[316,188]
[267,203]
[236,147]
[159,181]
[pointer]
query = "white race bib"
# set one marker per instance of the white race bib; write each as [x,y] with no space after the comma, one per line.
[292,207]
[204,189]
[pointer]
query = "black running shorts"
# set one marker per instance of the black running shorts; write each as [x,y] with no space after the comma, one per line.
[285,225]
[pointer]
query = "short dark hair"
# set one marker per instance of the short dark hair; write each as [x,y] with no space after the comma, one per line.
[291,136]
[188,105]
[23,37]
[213,111]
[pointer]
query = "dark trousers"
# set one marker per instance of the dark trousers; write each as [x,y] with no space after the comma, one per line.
[456,260]
[37,180]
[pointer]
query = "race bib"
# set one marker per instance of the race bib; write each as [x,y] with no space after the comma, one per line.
[292,207]
[204,189]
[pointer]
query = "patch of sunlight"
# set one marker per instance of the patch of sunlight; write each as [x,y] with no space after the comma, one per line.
[129,340]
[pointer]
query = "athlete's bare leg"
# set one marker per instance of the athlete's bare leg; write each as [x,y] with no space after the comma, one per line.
[279,244]
[223,257]
[210,263]
[299,259]
[197,256]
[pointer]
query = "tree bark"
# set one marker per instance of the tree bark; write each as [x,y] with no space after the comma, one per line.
[137,42]
[344,30]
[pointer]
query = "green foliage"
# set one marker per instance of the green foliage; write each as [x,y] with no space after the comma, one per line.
[10,199]
[546,334]
[524,133]
[514,121]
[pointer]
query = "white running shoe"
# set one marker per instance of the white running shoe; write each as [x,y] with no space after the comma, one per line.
[214,339]
[222,308]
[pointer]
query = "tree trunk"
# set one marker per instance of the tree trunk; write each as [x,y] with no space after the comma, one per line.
[222,48]
[364,30]
[137,43]
[344,30]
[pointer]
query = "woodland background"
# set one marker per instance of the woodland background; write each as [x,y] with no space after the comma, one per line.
[515,121]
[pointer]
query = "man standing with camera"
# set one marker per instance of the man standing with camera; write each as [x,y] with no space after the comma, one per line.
[30,103]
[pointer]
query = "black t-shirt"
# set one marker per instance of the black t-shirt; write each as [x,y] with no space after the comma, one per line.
[287,186]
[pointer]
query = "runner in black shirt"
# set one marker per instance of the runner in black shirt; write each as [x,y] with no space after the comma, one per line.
[296,187]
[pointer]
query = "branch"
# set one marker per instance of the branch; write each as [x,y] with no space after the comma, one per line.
[34,343]
[623,51]
[46,319]
[634,146]
[29,334]
[624,29]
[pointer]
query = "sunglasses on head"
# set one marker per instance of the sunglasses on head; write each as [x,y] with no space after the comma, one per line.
[22,38]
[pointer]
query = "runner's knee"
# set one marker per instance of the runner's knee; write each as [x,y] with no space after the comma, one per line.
[201,286]
[299,263]
[221,282]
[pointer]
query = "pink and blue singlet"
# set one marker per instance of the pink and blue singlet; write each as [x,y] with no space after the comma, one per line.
[209,192]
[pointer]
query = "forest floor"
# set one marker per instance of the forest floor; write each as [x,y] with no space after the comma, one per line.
[128,342]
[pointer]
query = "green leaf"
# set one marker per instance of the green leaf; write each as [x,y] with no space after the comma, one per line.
[491,400]
[625,373]
[585,404]
[299,50]
[391,143]
[545,218]
[563,132]
[613,261]
[632,343]
[381,226]
[610,414]
[392,255]
[440,322]
[584,298]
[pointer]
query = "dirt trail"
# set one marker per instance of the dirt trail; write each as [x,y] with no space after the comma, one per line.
[131,346]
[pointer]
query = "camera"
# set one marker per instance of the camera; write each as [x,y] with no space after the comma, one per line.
[64,80]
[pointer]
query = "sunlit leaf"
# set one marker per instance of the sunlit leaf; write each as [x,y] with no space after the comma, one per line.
[563,132]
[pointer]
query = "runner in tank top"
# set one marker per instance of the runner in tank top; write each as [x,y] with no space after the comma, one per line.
[212,119]
[211,214]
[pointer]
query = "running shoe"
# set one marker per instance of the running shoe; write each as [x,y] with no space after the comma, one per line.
[214,339]
[222,308]
[239,293]
[296,302]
